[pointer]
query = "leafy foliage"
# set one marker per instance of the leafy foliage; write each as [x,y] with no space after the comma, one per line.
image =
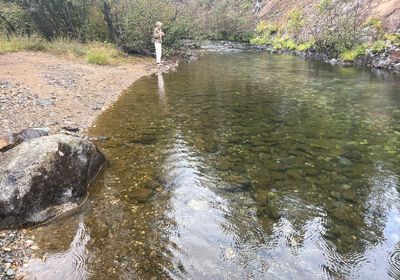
[378,46]
[128,23]
[296,21]
[393,38]
[337,26]
[377,25]
[353,54]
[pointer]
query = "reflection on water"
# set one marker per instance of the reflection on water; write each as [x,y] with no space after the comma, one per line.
[68,264]
[161,90]
[247,166]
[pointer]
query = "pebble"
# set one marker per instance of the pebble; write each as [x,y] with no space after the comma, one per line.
[29,242]
[16,249]
[10,272]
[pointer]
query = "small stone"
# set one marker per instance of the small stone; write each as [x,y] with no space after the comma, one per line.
[10,272]
[30,242]
[6,249]
[34,247]
[61,153]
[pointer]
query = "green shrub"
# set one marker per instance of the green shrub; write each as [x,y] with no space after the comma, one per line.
[265,28]
[260,40]
[265,33]
[306,46]
[324,5]
[296,21]
[289,44]
[377,25]
[393,38]
[15,19]
[353,54]
[102,54]
[96,57]
[139,23]
[378,46]
[278,43]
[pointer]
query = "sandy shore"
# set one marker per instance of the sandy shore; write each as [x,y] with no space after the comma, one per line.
[44,90]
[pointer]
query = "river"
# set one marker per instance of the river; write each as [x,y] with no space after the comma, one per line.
[241,165]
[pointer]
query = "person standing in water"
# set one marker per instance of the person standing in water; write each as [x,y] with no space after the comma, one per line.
[158,34]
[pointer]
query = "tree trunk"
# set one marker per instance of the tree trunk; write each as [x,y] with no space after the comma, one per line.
[109,21]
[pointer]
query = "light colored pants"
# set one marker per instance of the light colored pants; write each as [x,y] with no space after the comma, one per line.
[158,51]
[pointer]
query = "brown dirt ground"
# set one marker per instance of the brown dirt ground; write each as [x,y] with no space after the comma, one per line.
[43,90]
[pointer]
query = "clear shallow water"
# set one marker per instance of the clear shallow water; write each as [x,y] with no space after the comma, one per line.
[242,166]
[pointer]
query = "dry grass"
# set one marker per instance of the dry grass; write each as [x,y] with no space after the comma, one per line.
[94,52]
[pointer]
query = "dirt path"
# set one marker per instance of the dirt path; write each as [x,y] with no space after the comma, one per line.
[43,90]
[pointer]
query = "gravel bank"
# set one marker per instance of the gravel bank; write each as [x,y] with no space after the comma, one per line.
[43,90]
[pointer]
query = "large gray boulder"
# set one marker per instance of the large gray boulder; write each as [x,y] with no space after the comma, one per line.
[44,177]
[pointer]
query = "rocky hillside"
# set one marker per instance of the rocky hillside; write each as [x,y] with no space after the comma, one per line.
[386,10]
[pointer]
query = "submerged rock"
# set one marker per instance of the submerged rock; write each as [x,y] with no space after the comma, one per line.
[44,177]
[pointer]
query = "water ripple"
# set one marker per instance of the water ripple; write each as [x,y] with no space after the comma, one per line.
[394,263]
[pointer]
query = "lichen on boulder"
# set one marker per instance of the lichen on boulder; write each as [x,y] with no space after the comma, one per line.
[44,177]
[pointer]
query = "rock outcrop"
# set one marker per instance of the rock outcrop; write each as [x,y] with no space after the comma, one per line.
[44,177]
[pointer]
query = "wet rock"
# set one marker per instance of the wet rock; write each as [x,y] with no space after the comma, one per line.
[224,165]
[277,176]
[71,128]
[146,139]
[348,195]
[277,166]
[239,184]
[345,161]
[11,140]
[295,174]
[261,196]
[352,154]
[312,172]
[38,183]
[140,194]
[271,211]
[334,195]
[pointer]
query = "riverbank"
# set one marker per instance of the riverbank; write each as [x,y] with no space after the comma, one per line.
[388,60]
[43,90]
[49,91]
